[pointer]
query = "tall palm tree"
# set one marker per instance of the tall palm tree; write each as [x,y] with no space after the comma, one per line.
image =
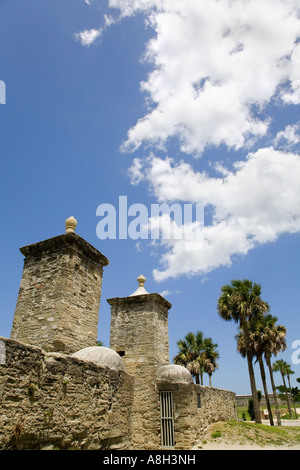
[290,372]
[274,342]
[241,301]
[266,338]
[256,337]
[211,355]
[282,367]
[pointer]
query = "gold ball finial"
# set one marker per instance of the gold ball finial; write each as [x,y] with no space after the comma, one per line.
[71,224]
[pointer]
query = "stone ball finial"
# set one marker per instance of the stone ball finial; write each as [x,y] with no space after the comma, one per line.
[71,224]
[141,289]
[141,280]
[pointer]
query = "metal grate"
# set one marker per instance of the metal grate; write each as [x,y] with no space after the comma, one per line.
[167,422]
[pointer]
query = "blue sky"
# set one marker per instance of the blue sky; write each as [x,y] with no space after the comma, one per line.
[103,99]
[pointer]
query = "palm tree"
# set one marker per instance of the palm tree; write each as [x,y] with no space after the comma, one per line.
[290,372]
[183,357]
[241,301]
[211,355]
[190,353]
[274,339]
[267,338]
[196,353]
[282,367]
[256,337]
[194,368]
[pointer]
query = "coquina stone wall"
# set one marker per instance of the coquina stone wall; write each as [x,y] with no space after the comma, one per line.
[54,401]
[195,408]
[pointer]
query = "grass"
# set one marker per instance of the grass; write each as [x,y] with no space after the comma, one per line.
[245,433]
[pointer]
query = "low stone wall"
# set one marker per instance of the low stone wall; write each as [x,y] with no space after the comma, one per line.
[54,401]
[243,400]
[195,408]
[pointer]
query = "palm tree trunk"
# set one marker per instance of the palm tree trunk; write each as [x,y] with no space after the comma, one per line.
[244,326]
[268,361]
[293,402]
[210,380]
[287,395]
[263,378]
[201,377]
[254,390]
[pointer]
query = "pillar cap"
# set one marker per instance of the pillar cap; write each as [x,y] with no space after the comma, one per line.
[140,296]
[141,289]
[61,243]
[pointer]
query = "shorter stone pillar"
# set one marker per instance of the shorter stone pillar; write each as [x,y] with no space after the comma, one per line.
[139,333]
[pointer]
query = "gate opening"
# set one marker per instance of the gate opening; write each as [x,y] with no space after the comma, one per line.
[167,419]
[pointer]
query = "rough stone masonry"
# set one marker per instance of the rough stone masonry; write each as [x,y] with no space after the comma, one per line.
[59,297]
[55,393]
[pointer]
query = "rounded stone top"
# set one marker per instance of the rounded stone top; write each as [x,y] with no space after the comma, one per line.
[175,374]
[101,356]
[71,224]
[141,289]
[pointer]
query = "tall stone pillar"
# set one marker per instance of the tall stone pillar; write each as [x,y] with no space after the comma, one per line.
[139,333]
[59,297]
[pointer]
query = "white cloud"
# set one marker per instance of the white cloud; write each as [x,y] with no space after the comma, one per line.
[293,95]
[253,204]
[88,37]
[290,136]
[109,20]
[130,7]
[167,293]
[216,67]
[224,58]
[135,174]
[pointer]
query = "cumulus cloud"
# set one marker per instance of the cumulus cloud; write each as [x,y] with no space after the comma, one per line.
[225,63]
[88,36]
[292,96]
[135,174]
[219,73]
[253,204]
[289,137]
[167,293]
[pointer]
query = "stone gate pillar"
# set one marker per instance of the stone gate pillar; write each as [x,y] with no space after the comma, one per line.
[59,297]
[139,333]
